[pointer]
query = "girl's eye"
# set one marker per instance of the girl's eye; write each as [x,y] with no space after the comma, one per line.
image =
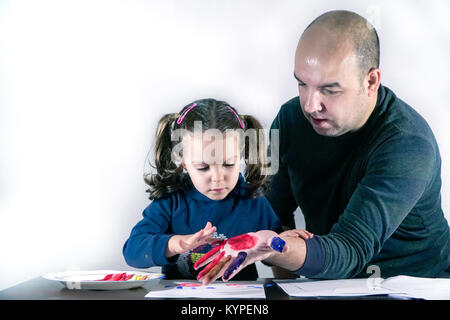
[229,165]
[203,168]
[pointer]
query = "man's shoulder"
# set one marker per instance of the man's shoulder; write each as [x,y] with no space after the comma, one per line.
[292,105]
[404,119]
[289,112]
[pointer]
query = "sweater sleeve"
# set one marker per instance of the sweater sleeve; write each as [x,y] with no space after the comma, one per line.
[148,239]
[397,174]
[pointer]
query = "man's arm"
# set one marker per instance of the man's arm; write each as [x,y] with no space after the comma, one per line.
[293,256]
[396,177]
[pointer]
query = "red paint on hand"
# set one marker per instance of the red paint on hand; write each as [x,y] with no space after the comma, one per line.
[207,256]
[211,265]
[242,242]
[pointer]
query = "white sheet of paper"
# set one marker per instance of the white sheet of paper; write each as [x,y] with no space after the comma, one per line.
[423,288]
[193,289]
[401,286]
[334,288]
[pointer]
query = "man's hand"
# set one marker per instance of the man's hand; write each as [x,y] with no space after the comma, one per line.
[230,256]
[182,243]
[304,234]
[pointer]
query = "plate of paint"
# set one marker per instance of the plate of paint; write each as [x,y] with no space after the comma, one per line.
[104,279]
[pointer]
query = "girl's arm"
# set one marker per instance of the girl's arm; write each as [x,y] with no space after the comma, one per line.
[149,237]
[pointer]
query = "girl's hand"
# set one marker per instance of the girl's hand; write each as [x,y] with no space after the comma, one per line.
[182,243]
[192,241]
[231,255]
[298,233]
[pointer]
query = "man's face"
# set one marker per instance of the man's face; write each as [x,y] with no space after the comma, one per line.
[212,165]
[332,95]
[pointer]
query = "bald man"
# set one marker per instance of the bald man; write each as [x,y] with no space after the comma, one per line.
[362,165]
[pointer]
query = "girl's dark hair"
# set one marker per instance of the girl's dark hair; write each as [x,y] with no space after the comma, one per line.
[213,114]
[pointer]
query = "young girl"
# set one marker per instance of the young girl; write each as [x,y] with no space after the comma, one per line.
[199,195]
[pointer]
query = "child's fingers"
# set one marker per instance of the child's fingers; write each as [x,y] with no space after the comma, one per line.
[216,271]
[203,233]
[184,246]
[211,265]
[208,225]
[234,266]
[208,231]
[207,257]
[277,244]
[192,240]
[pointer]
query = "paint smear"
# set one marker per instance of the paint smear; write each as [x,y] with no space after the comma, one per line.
[242,242]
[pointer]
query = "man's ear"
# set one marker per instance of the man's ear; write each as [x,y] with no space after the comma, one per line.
[373,80]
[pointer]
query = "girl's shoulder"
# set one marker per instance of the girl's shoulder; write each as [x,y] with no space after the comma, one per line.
[252,202]
[172,203]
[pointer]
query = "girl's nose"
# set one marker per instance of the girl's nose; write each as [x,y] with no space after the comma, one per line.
[217,174]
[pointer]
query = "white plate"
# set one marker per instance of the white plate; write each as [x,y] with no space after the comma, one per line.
[89,279]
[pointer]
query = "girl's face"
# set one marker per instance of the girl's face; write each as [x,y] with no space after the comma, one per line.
[212,163]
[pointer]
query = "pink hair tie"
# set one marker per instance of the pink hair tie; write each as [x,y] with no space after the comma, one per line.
[185,112]
[237,116]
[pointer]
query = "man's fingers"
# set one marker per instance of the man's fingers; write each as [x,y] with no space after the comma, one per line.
[290,233]
[298,233]
[234,266]
[306,234]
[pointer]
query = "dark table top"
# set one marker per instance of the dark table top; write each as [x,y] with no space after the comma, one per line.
[43,289]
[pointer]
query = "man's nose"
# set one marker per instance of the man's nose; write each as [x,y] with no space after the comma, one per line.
[312,102]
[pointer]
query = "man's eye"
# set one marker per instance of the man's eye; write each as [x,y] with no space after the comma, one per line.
[203,168]
[228,165]
[330,92]
[301,84]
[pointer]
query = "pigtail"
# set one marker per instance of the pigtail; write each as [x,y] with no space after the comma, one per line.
[255,156]
[168,177]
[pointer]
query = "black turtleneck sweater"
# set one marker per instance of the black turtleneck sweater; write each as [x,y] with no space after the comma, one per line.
[371,197]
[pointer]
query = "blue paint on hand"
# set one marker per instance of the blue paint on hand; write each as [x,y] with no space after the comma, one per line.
[235,264]
[277,244]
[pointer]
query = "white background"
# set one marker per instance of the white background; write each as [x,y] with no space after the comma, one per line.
[83,83]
